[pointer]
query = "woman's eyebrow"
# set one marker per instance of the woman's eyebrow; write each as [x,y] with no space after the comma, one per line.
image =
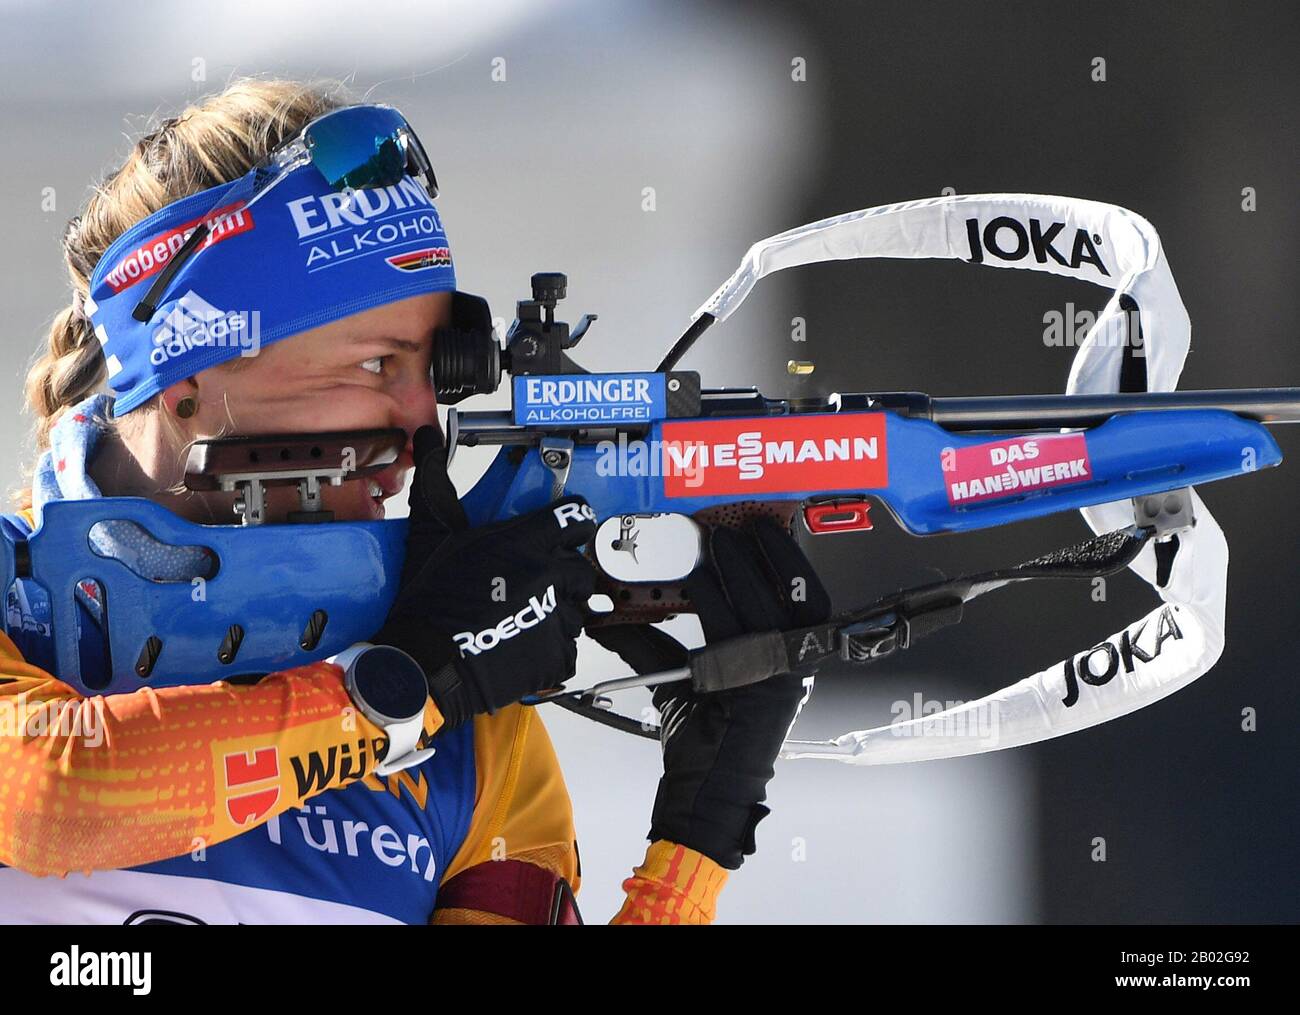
[404,344]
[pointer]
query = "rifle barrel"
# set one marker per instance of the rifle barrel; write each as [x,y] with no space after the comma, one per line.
[1028,412]
[990,412]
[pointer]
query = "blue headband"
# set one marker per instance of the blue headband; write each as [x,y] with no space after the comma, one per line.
[301,256]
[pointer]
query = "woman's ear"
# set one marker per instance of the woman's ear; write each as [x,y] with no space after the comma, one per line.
[181,400]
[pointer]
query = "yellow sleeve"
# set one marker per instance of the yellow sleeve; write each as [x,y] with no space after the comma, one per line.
[522,811]
[119,780]
[673,885]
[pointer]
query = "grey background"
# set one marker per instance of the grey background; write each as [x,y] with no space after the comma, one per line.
[546,170]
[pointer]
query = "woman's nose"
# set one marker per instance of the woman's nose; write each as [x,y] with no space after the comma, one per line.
[417,405]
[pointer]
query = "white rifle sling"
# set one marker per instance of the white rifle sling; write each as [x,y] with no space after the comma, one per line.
[1111,247]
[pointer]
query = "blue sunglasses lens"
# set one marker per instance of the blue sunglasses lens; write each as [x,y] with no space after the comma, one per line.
[360,146]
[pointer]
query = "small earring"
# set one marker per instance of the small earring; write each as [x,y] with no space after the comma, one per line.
[187,406]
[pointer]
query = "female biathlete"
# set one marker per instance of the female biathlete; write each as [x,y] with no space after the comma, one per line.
[295,797]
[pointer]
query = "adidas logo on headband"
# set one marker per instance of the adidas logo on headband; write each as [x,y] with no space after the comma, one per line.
[193,321]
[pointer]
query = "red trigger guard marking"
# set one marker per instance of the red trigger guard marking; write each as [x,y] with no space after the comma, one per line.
[837,516]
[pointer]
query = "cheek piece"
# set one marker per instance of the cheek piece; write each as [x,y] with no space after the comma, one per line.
[115,594]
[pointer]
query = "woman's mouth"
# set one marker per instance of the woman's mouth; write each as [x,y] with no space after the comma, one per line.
[372,504]
[384,484]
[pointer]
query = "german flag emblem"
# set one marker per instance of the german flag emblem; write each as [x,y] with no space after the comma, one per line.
[420,260]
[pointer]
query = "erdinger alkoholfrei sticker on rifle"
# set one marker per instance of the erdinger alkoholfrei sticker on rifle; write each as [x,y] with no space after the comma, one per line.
[1014,467]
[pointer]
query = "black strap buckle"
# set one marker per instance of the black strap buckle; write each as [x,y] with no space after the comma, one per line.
[875,638]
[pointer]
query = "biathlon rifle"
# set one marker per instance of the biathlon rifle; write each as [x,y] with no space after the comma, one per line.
[660,458]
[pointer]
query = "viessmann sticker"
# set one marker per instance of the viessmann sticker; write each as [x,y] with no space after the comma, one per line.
[1014,467]
[779,455]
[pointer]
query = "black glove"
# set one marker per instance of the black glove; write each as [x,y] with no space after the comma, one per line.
[491,614]
[720,749]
